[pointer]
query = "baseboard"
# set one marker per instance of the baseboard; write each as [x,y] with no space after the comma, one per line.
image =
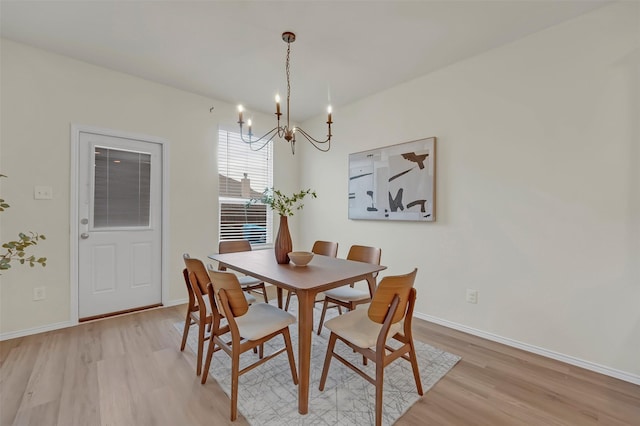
[64,324]
[35,330]
[588,365]
[175,302]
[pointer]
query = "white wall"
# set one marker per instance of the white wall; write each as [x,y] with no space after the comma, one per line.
[538,188]
[42,95]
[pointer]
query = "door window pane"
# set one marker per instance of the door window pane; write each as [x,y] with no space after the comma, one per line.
[121,188]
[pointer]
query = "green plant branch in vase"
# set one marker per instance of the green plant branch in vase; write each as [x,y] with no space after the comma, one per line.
[282,204]
[17,250]
[285,206]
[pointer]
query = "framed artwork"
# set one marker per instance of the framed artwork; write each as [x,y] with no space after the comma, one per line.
[396,182]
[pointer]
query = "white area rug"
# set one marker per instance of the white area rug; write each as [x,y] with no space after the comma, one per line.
[267,395]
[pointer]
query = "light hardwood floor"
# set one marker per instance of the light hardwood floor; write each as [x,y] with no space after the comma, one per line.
[128,370]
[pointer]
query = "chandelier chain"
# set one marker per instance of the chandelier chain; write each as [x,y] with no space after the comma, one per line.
[288,70]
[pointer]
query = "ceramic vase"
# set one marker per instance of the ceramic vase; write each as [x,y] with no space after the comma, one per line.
[283,245]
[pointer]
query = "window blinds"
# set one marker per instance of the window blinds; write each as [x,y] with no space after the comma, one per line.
[243,175]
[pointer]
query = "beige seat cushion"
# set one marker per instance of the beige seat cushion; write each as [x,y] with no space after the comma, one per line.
[263,319]
[356,327]
[347,294]
[245,281]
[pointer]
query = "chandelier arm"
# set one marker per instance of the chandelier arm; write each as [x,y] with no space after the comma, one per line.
[252,145]
[314,141]
[267,137]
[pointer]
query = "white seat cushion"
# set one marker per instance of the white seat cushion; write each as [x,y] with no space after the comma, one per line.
[356,327]
[263,319]
[245,281]
[347,294]
[250,299]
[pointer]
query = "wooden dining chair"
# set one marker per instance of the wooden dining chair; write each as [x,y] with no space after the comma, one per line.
[367,331]
[348,296]
[198,309]
[325,248]
[247,283]
[250,326]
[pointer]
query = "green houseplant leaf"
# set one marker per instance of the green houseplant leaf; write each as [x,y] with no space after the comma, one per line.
[16,250]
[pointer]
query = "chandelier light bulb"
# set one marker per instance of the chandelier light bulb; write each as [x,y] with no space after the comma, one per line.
[240,109]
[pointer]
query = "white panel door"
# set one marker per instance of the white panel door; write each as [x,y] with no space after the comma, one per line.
[120,224]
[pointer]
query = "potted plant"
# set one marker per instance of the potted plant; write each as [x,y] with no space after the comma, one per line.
[285,206]
[17,249]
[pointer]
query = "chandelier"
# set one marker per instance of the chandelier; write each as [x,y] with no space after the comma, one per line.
[285,131]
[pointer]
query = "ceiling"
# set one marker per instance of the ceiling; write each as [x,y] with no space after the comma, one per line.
[232,50]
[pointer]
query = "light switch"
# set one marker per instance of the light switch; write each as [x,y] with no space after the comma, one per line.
[42,193]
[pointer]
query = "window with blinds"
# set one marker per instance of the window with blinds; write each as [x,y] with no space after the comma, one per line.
[243,175]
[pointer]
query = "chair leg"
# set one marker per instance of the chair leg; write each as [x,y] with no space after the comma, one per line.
[327,360]
[264,293]
[379,382]
[414,366]
[185,333]
[201,329]
[324,311]
[292,361]
[286,305]
[207,362]
[235,372]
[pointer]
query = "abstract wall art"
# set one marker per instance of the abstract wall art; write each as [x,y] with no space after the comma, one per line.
[396,182]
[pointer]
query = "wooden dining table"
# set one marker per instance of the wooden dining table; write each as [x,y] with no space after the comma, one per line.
[322,273]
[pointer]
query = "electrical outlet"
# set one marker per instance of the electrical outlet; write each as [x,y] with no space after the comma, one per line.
[472,296]
[42,193]
[39,293]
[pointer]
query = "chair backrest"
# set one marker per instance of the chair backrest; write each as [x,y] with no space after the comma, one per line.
[365,254]
[192,297]
[388,288]
[325,248]
[233,246]
[197,267]
[228,282]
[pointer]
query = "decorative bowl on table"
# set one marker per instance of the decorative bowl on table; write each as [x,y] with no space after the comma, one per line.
[300,258]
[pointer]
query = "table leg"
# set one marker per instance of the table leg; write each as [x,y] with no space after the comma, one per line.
[371,280]
[305,328]
[279,293]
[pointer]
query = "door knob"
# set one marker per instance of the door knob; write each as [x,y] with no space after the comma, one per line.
[84,235]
